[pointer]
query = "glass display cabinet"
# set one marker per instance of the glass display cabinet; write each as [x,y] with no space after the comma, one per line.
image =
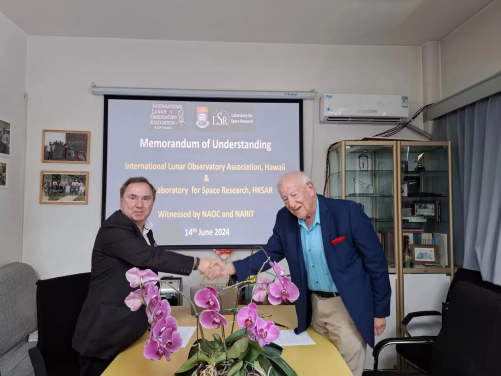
[405,188]
[364,172]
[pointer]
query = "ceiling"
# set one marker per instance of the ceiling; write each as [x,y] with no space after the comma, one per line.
[332,22]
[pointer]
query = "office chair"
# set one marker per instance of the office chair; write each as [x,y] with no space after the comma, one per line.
[469,342]
[419,355]
[59,302]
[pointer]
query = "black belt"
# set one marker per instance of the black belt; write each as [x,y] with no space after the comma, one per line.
[324,294]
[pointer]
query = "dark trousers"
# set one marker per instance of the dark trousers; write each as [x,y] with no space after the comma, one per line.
[92,366]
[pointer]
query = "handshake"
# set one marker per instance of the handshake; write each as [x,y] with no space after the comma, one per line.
[213,268]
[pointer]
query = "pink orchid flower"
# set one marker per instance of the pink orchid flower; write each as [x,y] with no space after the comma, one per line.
[280,292]
[207,298]
[135,275]
[167,323]
[266,332]
[172,341]
[154,350]
[261,290]
[280,272]
[161,310]
[247,317]
[212,319]
[134,300]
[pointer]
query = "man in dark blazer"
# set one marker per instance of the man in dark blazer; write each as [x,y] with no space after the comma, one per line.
[106,326]
[336,261]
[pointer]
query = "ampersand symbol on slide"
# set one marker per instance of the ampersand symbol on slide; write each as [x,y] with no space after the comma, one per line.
[206,178]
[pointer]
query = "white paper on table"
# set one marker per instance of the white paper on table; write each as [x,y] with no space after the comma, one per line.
[289,338]
[186,333]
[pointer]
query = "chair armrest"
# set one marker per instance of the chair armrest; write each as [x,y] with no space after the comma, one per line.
[395,341]
[412,315]
[37,361]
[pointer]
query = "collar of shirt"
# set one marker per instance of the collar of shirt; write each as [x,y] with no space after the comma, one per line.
[147,227]
[316,221]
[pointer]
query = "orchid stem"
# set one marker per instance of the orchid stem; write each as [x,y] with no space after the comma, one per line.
[189,300]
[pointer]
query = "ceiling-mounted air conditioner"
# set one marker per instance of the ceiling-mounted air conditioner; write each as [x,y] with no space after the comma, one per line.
[363,108]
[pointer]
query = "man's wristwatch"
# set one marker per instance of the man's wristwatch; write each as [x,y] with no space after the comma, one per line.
[197,263]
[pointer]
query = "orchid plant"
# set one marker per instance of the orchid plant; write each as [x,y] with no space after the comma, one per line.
[245,352]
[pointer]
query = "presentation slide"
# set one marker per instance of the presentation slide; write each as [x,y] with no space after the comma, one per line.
[215,165]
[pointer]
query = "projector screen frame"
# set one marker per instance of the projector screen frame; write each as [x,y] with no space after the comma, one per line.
[191,99]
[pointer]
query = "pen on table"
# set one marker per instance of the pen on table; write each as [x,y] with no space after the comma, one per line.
[283,326]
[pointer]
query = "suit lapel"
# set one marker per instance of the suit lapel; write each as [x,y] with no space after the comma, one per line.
[325,222]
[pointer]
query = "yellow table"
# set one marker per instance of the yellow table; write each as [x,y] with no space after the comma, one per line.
[320,359]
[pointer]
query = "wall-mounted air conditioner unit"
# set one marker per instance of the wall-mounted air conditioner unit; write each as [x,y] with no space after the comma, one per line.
[363,108]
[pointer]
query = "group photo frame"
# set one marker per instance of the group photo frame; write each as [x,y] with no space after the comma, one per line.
[4,138]
[3,175]
[64,187]
[427,209]
[64,146]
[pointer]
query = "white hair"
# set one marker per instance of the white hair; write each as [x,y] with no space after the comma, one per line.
[299,175]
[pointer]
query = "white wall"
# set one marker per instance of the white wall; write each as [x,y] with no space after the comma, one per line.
[13,59]
[473,51]
[58,239]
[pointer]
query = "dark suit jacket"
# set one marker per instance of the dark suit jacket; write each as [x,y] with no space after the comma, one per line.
[357,265]
[106,326]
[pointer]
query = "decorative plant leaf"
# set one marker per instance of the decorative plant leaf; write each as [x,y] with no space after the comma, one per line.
[272,352]
[207,347]
[282,364]
[194,348]
[241,372]
[218,341]
[273,344]
[244,354]
[186,373]
[239,334]
[253,352]
[191,362]
[238,347]
[264,362]
[235,368]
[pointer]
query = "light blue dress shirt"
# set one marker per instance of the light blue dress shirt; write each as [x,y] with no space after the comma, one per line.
[319,276]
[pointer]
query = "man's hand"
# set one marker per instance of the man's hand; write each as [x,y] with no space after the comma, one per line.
[211,268]
[379,326]
[219,268]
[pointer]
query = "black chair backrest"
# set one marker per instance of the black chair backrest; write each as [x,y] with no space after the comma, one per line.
[59,302]
[470,340]
[474,277]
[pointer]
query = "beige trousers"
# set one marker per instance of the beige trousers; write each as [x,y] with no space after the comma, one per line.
[330,318]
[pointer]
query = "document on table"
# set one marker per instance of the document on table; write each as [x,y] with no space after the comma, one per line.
[186,333]
[289,338]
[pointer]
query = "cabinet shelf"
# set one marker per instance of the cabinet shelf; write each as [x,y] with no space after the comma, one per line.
[369,195]
[368,172]
[424,172]
[413,198]
[427,270]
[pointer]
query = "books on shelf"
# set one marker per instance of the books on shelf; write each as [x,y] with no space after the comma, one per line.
[386,240]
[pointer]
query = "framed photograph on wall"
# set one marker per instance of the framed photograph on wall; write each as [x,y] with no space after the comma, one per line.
[64,187]
[3,175]
[65,146]
[4,138]
[425,254]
